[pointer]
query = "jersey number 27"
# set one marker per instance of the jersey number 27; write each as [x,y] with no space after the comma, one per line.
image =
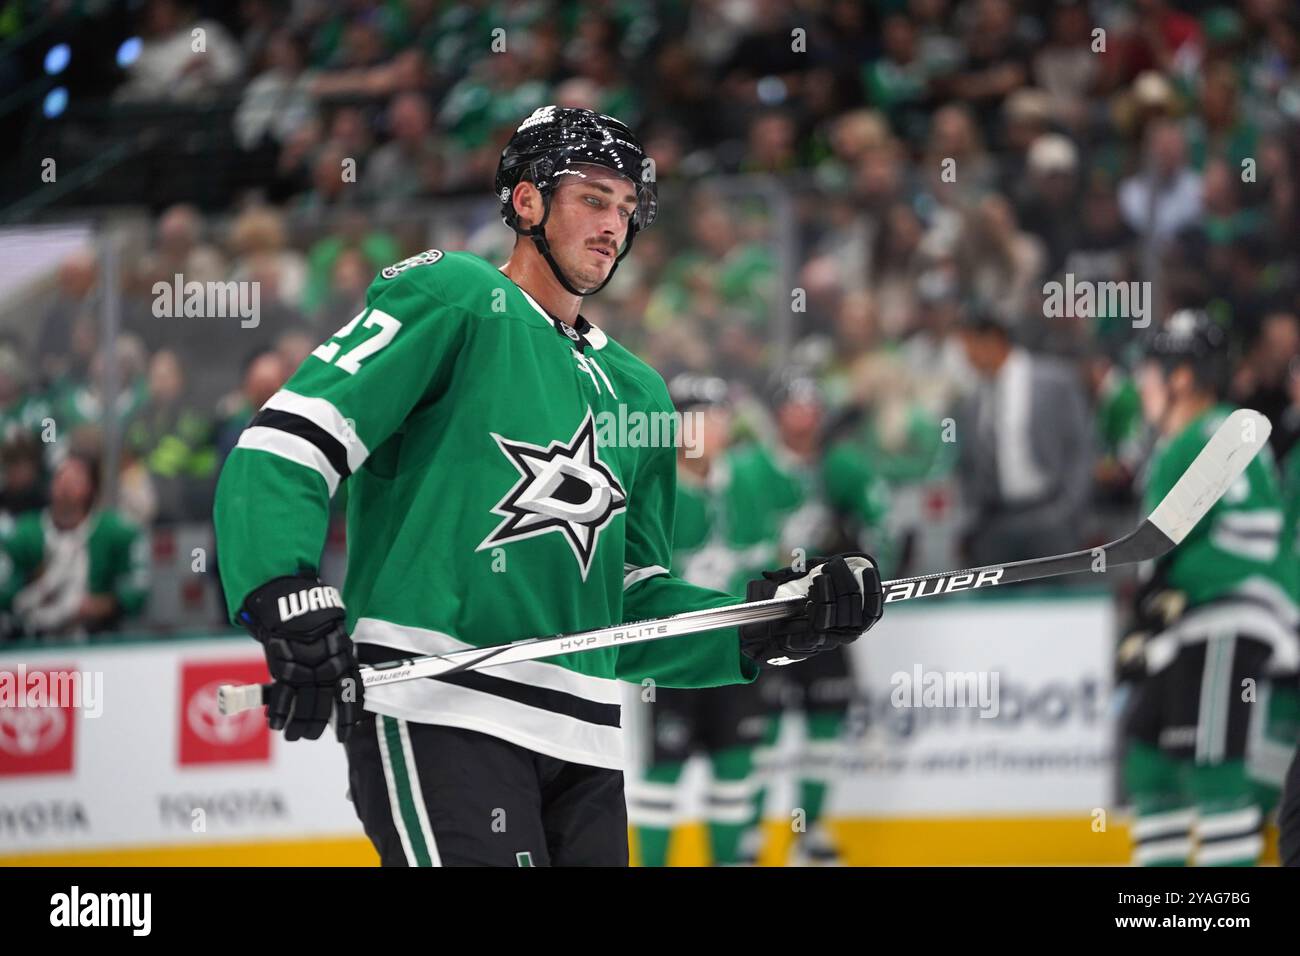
[350,361]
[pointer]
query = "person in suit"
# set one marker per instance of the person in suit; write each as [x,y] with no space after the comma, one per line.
[1024,449]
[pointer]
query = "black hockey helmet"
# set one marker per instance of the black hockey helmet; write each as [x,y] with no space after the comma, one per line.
[1190,337]
[547,145]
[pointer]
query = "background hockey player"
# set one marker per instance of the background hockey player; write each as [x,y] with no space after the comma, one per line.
[726,532]
[461,406]
[1216,618]
[735,512]
[832,501]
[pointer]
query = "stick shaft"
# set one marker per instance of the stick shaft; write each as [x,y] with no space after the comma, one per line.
[1140,545]
[1224,457]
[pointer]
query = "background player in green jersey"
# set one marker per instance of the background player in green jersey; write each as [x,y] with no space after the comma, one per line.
[726,532]
[831,500]
[1216,621]
[739,509]
[468,408]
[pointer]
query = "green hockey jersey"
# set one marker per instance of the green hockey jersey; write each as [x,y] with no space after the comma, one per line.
[1235,568]
[757,507]
[837,503]
[729,525]
[498,488]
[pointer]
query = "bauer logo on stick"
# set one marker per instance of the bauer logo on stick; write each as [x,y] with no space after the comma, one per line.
[941,584]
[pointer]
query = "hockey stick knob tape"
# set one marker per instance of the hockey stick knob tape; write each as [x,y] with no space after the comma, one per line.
[235,699]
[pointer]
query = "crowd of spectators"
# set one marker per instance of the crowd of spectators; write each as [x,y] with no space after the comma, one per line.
[875,195]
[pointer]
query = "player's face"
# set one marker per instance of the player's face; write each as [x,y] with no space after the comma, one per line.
[590,214]
[715,431]
[798,419]
[1153,388]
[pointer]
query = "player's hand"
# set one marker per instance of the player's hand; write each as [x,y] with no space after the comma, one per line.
[299,623]
[844,599]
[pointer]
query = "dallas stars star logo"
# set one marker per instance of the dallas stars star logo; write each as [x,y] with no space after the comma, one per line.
[564,488]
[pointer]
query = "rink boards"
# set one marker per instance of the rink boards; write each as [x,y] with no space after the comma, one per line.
[1023,775]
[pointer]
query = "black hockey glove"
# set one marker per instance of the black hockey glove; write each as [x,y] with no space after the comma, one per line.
[844,600]
[313,664]
[1131,658]
[1156,608]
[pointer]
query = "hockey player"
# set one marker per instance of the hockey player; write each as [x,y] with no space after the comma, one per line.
[466,406]
[726,532]
[1215,619]
[832,500]
[737,512]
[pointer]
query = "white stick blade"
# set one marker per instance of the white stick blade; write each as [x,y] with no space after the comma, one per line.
[1225,456]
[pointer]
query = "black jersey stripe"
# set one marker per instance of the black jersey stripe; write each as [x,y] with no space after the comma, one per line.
[1242,834]
[305,428]
[544,698]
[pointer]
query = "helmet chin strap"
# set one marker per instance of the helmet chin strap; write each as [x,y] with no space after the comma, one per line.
[538,234]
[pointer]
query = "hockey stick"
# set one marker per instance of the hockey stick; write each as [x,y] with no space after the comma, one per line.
[1219,464]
